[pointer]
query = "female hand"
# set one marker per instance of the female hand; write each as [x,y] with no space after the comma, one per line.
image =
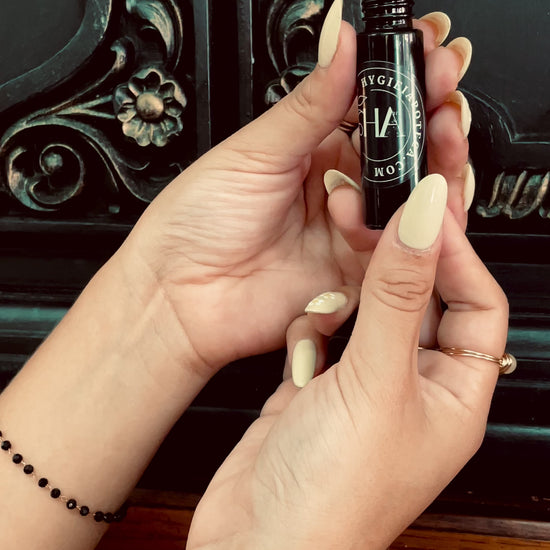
[350,460]
[242,239]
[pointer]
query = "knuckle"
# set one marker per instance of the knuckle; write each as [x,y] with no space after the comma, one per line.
[301,101]
[502,302]
[405,289]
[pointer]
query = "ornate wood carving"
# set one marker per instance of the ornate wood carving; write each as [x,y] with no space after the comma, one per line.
[119,132]
[517,196]
[513,166]
[293,29]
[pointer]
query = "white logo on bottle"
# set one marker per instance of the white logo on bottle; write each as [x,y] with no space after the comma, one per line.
[390,120]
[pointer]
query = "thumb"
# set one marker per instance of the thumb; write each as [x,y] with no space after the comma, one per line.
[398,286]
[304,118]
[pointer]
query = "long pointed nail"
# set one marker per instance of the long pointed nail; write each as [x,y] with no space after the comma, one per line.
[328,42]
[304,359]
[469,187]
[443,24]
[464,48]
[334,179]
[327,303]
[423,214]
[459,99]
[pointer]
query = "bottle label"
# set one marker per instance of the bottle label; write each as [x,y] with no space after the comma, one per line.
[392,122]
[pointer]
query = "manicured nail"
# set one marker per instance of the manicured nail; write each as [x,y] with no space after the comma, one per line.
[459,99]
[329,302]
[328,42]
[464,48]
[334,179]
[469,186]
[442,22]
[423,214]
[304,359]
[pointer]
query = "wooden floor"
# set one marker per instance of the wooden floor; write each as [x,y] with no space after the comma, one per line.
[161,522]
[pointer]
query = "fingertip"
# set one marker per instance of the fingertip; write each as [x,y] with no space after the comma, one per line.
[345,206]
[329,311]
[422,217]
[436,27]
[327,303]
[445,130]
[442,69]
[304,360]
[306,351]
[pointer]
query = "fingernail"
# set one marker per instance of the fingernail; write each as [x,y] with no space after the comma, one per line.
[464,48]
[334,179]
[442,22]
[304,359]
[329,302]
[423,214]
[328,42]
[469,187]
[459,99]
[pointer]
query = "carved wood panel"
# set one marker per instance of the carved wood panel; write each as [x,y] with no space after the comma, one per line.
[129,92]
[106,120]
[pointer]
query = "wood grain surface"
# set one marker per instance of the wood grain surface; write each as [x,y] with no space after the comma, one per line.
[160,521]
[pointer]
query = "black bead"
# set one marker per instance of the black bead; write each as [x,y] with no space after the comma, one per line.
[0,434]
[28,469]
[118,517]
[55,493]
[84,510]
[123,510]
[17,458]
[71,504]
[98,516]
[109,518]
[6,445]
[42,482]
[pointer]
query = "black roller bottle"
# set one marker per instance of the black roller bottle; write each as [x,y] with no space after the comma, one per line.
[392,116]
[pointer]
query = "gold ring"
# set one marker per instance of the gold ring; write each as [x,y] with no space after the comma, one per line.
[507,363]
[348,127]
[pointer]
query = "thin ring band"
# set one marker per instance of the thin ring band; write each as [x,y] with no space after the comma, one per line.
[348,127]
[507,363]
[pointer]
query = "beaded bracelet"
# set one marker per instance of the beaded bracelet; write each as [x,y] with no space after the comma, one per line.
[55,493]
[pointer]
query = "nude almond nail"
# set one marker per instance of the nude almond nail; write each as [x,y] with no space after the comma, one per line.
[469,187]
[465,49]
[442,22]
[459,99]
[334,179]
[304,359]
[328,41]
[423,214]
[327,303]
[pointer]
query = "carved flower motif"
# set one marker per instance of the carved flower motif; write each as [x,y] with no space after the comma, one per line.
[150,107]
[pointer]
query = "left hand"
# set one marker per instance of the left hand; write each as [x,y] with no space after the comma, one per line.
[354,457]
[242,239]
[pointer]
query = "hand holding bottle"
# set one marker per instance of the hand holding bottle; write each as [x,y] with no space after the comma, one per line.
[351,459]
[245,230]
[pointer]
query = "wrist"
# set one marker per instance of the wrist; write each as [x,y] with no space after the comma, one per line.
[138,323]
[93,404]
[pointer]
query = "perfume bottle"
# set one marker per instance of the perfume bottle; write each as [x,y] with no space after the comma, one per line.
[392,117]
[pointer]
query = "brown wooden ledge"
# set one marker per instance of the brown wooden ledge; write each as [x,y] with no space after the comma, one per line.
[160,521]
